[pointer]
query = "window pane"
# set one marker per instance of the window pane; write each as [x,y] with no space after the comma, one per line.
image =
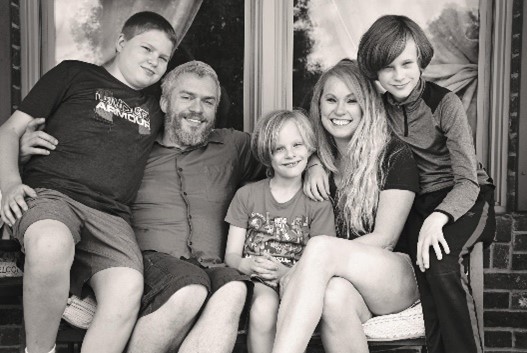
[329,30]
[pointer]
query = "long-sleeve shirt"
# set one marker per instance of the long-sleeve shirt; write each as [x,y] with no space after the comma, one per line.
[433,122]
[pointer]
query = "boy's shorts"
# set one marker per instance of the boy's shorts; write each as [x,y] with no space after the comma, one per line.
[165,274]
[102,240]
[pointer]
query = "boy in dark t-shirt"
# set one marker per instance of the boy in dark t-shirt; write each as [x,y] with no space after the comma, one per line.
[106,127]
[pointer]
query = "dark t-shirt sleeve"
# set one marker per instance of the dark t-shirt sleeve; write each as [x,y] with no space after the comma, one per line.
[48,92]
[400,167]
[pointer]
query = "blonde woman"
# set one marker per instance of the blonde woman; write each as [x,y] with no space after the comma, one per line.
[342,282]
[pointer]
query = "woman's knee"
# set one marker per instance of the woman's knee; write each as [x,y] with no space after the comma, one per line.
[318,251]
[341,294]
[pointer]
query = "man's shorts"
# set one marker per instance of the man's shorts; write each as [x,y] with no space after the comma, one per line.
[165,274]
[102,240]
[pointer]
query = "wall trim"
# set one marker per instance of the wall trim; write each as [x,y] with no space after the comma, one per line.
[268,64]
[499,100]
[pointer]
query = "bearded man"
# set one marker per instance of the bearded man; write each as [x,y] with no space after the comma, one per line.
[191,302]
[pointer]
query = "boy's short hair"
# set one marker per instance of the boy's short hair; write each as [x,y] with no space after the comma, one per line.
[386,39]
[145,21]
[198,68]
[266,132]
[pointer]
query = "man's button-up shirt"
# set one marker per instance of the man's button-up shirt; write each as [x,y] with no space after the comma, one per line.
[182,202]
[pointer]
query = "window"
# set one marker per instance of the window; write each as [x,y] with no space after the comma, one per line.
[272,89]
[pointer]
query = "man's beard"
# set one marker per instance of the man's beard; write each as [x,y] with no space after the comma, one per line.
[187,136]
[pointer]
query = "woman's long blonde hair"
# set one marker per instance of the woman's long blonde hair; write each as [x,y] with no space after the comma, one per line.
[361,165]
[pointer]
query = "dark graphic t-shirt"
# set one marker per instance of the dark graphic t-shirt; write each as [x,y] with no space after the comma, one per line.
[105,131]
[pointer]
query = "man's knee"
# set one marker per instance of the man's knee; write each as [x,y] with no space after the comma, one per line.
[186,302]
[49,246]
[235,292]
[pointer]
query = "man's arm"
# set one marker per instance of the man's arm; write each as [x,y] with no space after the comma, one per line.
[13,191]
[35,141]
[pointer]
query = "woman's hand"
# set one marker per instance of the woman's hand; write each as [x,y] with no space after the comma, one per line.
[34,141]
[431,234]
[316,182]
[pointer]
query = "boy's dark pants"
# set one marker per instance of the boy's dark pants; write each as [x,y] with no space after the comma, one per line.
[448,307]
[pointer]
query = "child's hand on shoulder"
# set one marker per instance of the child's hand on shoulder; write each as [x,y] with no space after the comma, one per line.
[13,202]
[431,235]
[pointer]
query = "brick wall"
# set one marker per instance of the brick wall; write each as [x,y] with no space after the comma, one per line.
[505,298]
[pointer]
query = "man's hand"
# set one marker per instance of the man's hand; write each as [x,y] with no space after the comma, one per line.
[431,234]
[316,183]
[13,203]
[34,141]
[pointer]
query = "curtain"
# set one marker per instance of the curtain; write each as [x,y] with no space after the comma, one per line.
[88,29]
[334,28]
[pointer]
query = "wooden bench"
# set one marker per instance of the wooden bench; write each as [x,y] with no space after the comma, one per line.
[72,337]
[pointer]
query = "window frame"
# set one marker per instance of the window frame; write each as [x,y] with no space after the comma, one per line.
[268,67]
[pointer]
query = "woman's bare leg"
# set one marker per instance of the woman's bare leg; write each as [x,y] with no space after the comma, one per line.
[344,307]
[384,279]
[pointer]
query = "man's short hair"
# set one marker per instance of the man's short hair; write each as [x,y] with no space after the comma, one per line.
[145,21]
[194,67]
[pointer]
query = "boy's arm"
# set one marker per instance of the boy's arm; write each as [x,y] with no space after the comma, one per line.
[13,192]
[234,247]
[460,146]
[257,265]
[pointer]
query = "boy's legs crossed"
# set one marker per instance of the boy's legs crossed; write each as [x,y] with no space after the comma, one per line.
[448,305]
[262,318]
[47,232]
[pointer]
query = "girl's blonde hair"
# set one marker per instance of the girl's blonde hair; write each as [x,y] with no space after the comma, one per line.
[264,138]
[361,164]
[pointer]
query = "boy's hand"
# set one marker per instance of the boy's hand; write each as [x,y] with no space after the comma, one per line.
[431,234]
[13,203]
[257,265]
[281,269]
[34,141]
[316,183]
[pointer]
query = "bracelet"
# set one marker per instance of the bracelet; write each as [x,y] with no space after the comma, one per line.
[312,165]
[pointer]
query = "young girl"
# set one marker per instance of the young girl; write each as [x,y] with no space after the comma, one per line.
[454,209]
[272,220]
